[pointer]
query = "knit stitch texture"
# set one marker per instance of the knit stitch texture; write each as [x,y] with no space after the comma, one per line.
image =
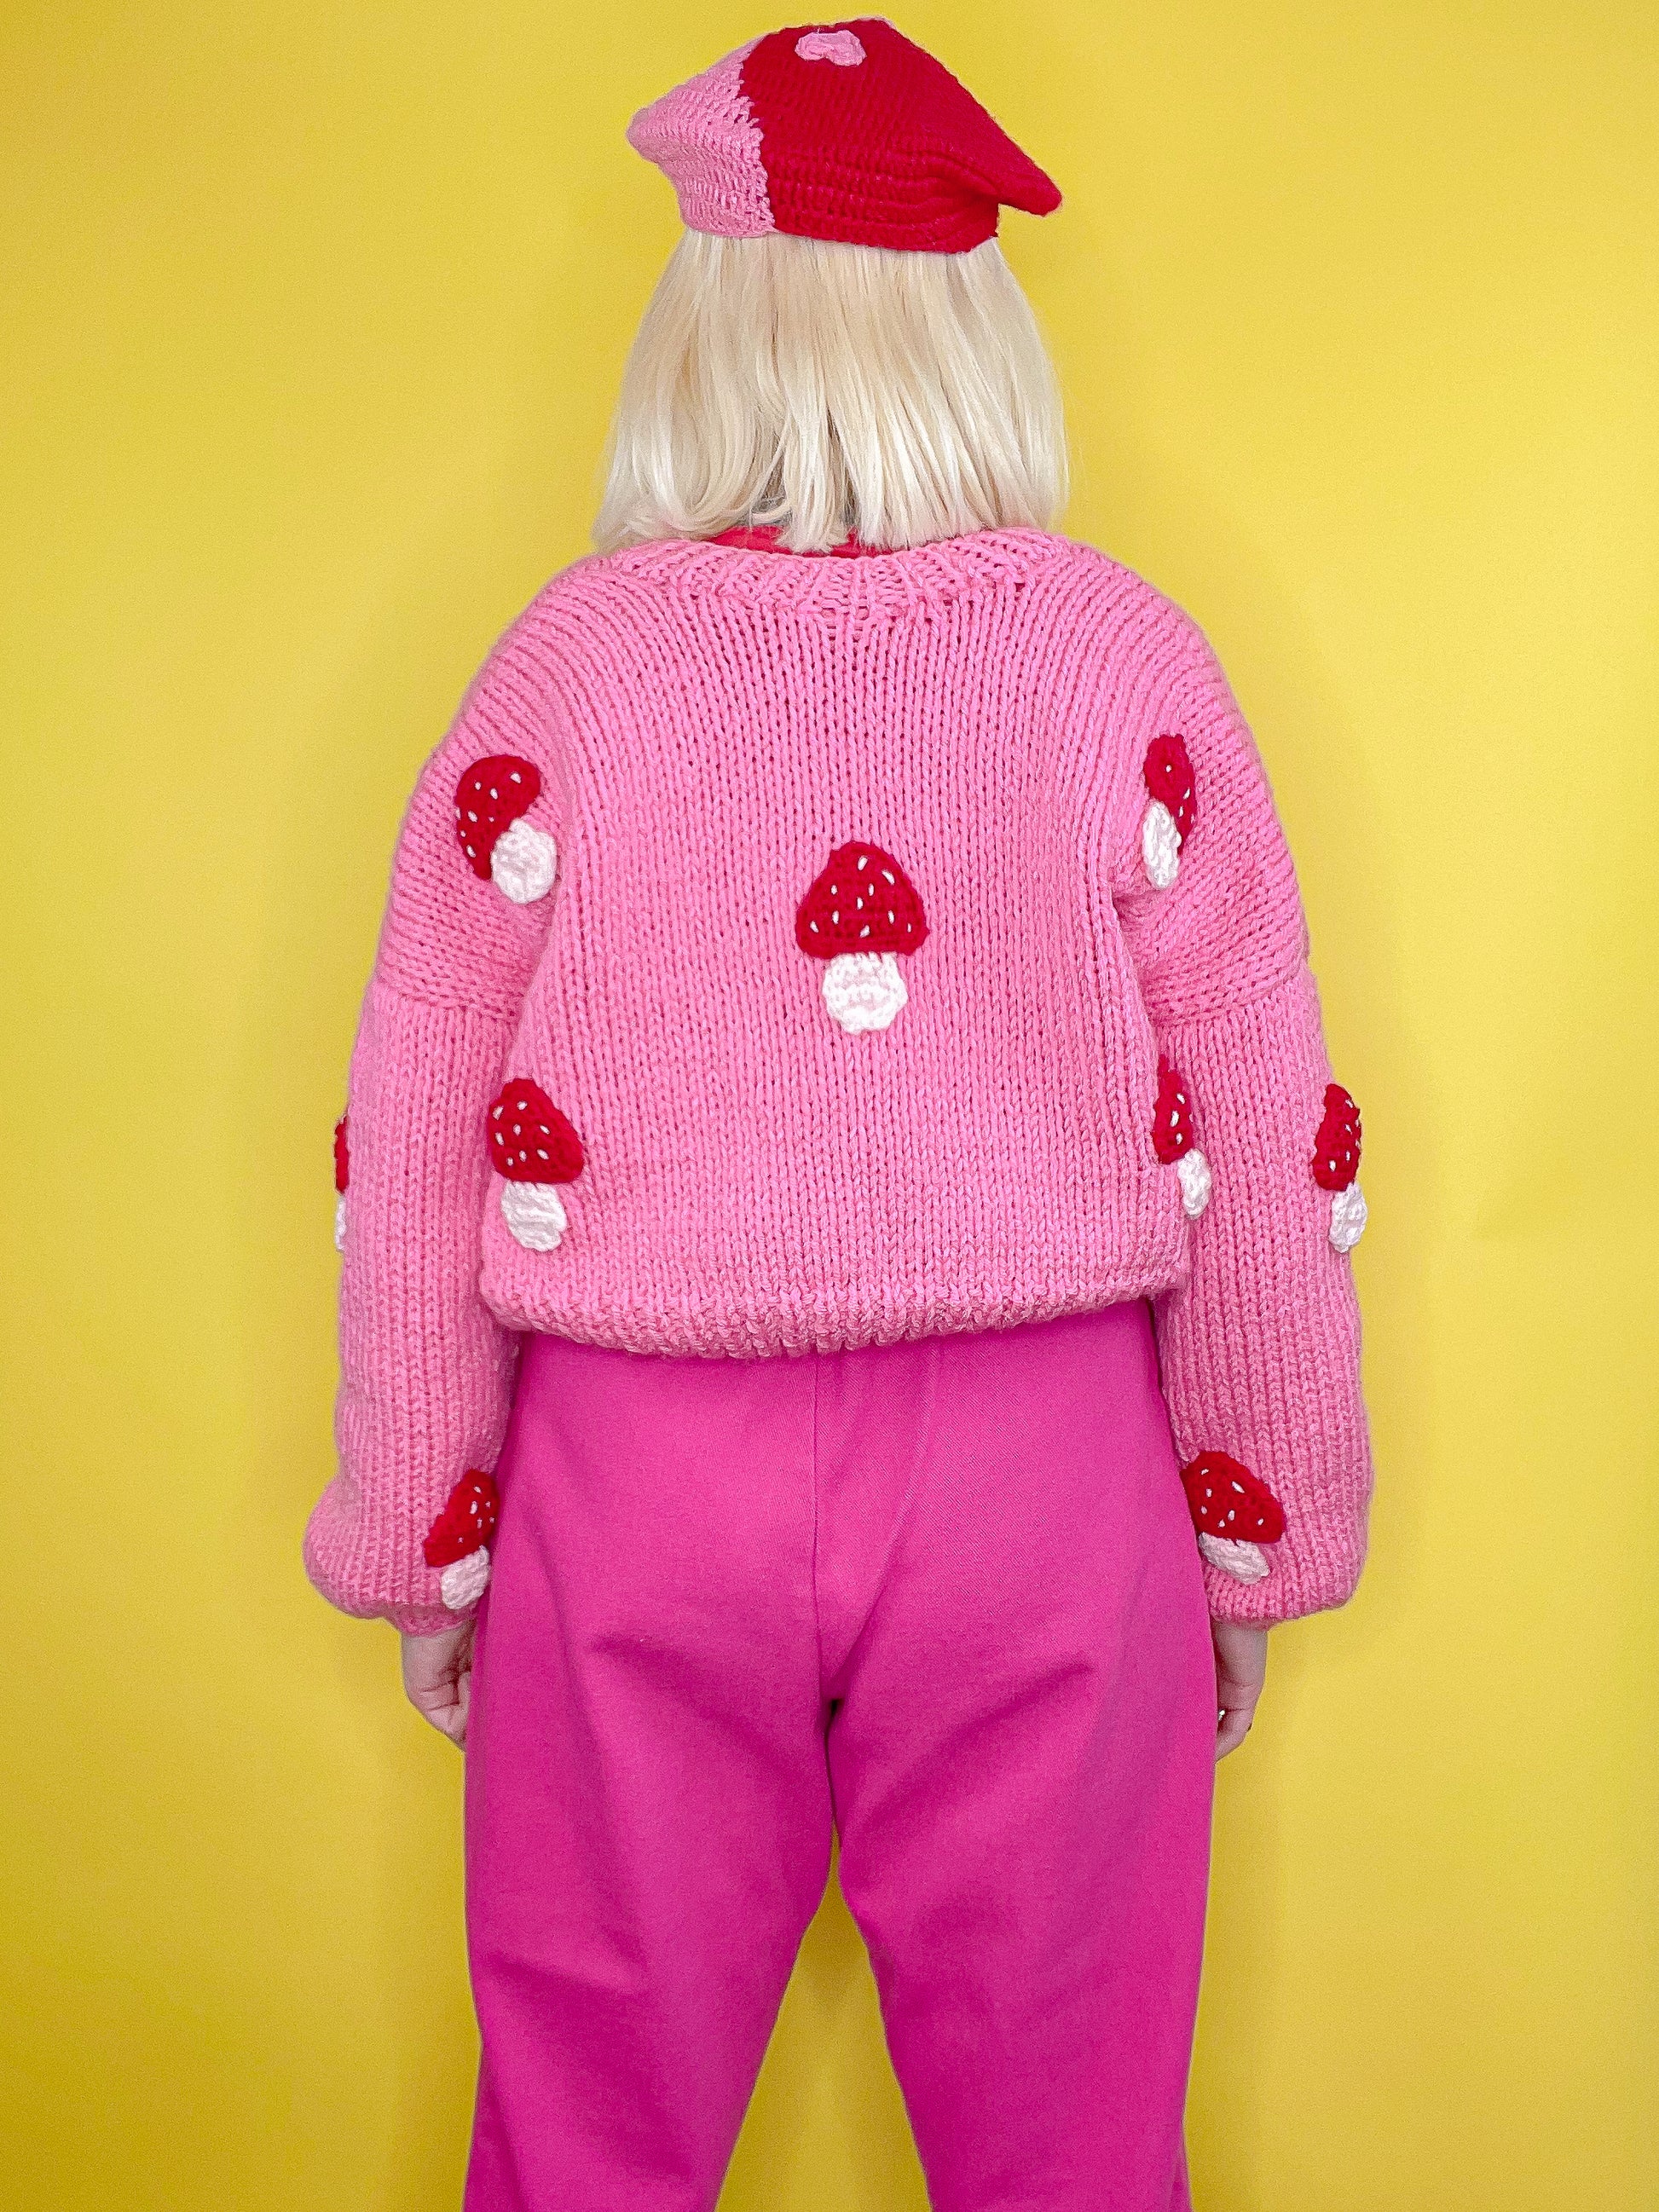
[851,132]
[709,724]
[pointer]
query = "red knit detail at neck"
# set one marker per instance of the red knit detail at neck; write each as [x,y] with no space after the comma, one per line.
[763,538]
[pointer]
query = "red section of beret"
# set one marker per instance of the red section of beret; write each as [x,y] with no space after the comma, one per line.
[891,150]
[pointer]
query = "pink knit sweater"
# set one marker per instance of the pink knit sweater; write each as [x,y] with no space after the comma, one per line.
[641,1063]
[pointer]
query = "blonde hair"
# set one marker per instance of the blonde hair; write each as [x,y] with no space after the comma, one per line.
[826,388]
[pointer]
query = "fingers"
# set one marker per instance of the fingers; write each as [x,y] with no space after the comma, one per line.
[1232,1726]
[463,1706]
[438,1679]
[1240,1669]
[447,1712]
[452,1722]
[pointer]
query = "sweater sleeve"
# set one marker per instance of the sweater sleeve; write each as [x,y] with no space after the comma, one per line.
[426,1371]
[1259,1348]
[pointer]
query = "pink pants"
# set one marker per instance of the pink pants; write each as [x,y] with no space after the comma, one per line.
[943,1596]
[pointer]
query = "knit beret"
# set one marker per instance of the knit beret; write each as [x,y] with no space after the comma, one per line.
[843,130]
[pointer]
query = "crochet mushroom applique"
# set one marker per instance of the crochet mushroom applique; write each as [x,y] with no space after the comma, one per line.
[1234,1512]
[1171,803]
[1172,1140]
[1336,1167]
[491,802]
[342,1178]
[458,1541]
[858,915]
[534,1149]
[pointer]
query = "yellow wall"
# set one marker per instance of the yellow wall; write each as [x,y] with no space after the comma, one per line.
[311,316]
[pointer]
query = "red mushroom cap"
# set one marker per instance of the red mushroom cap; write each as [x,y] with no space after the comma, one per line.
[1336,1148]
[467,1522]
[341,1156]
[1226,1500]
[489,799]
[1169,778]
[1172,1116]
[862,902]
[530,1140]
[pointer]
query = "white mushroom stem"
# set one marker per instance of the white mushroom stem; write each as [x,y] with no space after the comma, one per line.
[1247,1563]
[1347,1217]
[1160,845]
[535,1213]
[864,990]
[1196,1182]
[339,1221]
[523,862]
[463,1582]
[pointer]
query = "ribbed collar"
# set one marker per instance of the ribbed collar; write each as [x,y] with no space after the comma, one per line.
[877,583]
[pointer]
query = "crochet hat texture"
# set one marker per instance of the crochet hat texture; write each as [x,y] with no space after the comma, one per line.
[845,131]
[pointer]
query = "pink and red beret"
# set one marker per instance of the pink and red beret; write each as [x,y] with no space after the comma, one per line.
[846,131]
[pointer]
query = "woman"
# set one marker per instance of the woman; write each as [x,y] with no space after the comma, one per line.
[846,1321]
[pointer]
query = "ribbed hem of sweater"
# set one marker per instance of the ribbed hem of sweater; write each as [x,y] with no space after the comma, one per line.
[832,1321]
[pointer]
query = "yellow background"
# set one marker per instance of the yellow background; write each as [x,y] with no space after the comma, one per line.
[311,318]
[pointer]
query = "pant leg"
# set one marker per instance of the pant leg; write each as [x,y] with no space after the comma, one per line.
[647,1808]
[1022,1759]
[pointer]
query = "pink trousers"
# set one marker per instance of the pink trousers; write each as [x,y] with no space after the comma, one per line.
[942,1597]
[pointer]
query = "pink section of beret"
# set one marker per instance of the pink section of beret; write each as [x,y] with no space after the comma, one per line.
[703,137]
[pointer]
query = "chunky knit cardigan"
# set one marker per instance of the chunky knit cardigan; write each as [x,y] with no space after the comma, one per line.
[791,952]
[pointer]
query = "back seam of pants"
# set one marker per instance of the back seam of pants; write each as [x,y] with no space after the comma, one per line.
[817,1616]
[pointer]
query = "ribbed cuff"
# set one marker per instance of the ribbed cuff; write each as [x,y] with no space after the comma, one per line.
[1317,1572]
[423,1620]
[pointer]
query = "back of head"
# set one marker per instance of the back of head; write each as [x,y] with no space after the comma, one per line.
[832,391]
[837,347]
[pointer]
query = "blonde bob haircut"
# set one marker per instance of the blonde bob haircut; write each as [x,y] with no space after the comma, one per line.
[826,389]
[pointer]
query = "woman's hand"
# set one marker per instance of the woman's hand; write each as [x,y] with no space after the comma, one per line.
[1241,1669]
[438,1678]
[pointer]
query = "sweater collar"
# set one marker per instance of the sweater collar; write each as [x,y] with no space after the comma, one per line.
[883,583]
